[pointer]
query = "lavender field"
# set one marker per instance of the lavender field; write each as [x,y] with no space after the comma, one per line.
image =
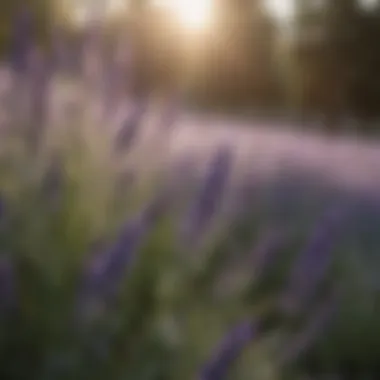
[143,241]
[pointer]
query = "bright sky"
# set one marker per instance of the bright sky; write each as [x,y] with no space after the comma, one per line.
[281,8]
[194,13]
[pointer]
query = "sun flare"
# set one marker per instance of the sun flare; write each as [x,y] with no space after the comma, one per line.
[192,14]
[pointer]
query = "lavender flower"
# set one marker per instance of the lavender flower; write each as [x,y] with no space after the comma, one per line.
[107,267]
[105,273]
[40,79]
[229,350]
[312,264]
[211,194]
[129,131]
[22,39]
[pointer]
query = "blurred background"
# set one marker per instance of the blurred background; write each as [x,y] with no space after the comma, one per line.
[189,189]
[295,61]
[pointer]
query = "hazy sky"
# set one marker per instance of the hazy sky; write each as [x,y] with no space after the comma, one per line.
[281,8]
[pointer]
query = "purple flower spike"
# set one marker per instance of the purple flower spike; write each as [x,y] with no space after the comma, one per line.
[105,273]
[229,350]
[129,131]
[211,194]
[22,39]
[313,264]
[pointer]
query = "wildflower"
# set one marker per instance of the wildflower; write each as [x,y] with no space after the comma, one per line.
[229,350]
[211,194]
[22,39]
[129,130]
[106,271]
[312,264]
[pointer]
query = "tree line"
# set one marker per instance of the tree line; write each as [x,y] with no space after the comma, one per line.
[325,62]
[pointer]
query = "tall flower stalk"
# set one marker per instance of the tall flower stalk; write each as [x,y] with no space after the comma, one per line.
[208,202]
[228,351]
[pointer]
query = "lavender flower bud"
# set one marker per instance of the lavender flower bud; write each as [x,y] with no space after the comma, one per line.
[129,131]
[210,197]
[22,39]
[107,267]
[313,264]
[229,350]
[105,273]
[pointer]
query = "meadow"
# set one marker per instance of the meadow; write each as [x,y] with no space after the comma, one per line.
[119,263]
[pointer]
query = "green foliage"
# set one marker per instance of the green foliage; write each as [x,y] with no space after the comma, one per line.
[175,305]
[337,59]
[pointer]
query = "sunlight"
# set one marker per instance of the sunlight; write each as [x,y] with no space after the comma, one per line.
[192,14]
[281,9]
